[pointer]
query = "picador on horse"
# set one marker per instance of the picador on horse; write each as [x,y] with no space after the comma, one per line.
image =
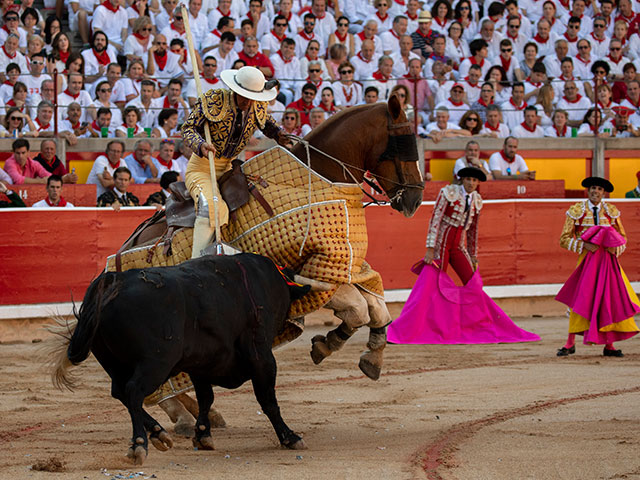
[304,209]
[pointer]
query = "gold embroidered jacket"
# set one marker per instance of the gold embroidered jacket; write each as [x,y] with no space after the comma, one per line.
[580,217]
[219,108]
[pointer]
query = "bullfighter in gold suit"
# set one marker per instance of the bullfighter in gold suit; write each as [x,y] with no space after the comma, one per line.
[233,116]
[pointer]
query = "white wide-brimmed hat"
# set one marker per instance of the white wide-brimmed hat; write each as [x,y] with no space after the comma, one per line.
[248,82]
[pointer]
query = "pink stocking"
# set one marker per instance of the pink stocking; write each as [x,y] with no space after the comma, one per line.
[571,340]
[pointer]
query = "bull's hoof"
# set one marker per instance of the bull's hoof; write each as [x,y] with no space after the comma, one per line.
[371,363]
[162,441]
[137,453]
[216,420]
[295,443]
[319,349]
[184,427]
[203,443]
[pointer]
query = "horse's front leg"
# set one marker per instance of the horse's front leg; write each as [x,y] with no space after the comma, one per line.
[350,307]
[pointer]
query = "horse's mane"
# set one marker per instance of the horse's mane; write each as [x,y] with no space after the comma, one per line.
[331,123]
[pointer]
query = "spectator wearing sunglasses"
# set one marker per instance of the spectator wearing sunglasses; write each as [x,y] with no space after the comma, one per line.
[175,29]
[314,77]
[347,92]
[342,35]
[34,79]
[270,42]
[103,99]
[306,35]
[137,46]
[616,59]
[578,9]
[599,38]
[11,25]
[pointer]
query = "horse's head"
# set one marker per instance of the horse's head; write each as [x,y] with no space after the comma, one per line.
[397,169]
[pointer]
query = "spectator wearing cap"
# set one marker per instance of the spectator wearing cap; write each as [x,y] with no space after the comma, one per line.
[424,35]
[9,53]
[305,103]
[507,164]
[635,193]
[455,105]
[622,127]
[382,78]
[529,128]
[112,19]
[287,67]
[479,51]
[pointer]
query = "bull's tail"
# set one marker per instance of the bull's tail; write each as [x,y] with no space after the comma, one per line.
[74,339]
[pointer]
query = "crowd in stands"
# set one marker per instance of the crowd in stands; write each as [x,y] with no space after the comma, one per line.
[522,68]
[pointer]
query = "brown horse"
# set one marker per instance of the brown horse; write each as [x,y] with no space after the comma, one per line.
[371,138]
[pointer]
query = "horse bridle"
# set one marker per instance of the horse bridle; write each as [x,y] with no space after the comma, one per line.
[397,147]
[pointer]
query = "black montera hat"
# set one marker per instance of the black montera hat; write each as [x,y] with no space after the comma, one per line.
[472,172]
[598,182]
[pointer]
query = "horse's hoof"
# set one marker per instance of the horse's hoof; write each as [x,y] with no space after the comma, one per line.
[371,364]
[137,454]
[184,427]
[216,420]
[319,349]
[203,443]
[162,441]
[296,445]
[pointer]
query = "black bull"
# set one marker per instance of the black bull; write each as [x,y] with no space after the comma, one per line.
[214,318]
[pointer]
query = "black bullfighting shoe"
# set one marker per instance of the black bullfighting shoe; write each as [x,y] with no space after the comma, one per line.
[564,352]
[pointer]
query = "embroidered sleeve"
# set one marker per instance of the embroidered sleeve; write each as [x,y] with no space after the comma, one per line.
[436,219]
[193,128]
[568,238]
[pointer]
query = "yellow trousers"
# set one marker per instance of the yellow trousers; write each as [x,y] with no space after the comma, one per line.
[198,180]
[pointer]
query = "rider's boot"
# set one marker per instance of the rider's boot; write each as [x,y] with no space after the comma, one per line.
[203,231]
[322,347]
[371,360]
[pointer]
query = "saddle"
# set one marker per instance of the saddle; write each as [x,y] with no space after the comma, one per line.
[235,188]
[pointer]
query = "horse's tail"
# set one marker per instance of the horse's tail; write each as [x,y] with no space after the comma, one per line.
[76,337]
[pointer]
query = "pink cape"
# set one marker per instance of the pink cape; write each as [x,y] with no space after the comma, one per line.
[439,312]
[596,289]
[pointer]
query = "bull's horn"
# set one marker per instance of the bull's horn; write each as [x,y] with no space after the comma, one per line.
[316,285]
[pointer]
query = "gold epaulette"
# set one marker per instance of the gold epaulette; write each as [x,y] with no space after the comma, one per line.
[216,104]
[611,209]
[576,211]
[260,109]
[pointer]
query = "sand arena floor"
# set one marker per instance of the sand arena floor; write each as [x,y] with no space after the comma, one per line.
[508,411]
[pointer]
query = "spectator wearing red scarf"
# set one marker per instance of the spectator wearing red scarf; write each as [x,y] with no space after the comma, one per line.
[110,18]
[98,57]
[54,196]
[508,165]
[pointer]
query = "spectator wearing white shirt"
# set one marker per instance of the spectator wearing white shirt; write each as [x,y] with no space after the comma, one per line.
[224,53]
[534,83]
[518,32]
[197,22]
[307,34]
[208,80]
[260,21]
[479,49]
[455,105]
[391,38]
[553,63]
[12,76]
[71,128]
[583,61]
[574,104]
[507,164]
[593,125]
[101,174]
[325,24]
[54,195]
[578,10]
[12,26]
[42,121]
[508,62]
[173,99]
[402,58]
[560,128]
[615,59]
[529,128]
[148,106]
[382,18]
[286,67]
[544,38]
[294,21]
[9,54]
[163,19]
[138,44]
[112,19]
[571,35]
[598,38]
[492,36]
[163,64]
[102,127]
[314,69]
[223,10]
[471,158]
[175,29]
[513,110]
[442,127]
[98,57]
[80,16]
[369,32]
[34,79]
[213,38]
[74,93]
[382,78]
[347,92]
[493,127]
[270,43]
[103,99]
[364,62]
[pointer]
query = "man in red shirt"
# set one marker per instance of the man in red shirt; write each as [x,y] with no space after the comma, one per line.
[305,103]
[253,58]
